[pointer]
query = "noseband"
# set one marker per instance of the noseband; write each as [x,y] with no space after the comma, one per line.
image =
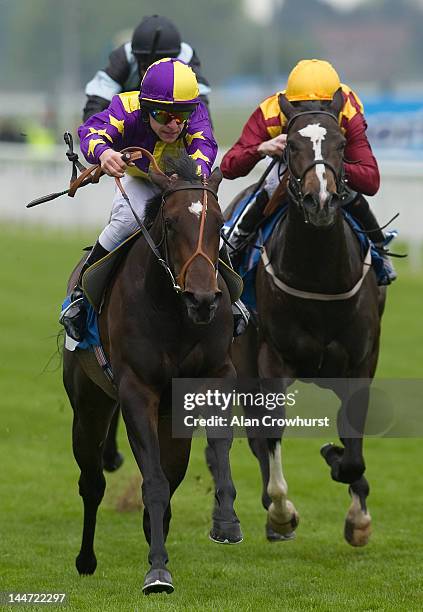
[199,251]
[133,153]
[295,183]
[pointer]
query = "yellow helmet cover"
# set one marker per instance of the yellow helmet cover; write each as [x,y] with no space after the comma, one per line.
[312,79]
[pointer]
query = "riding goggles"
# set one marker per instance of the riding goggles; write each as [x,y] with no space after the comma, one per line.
[164,117]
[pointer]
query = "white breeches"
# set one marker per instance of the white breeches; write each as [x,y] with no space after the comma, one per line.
[122,222]
[272,180]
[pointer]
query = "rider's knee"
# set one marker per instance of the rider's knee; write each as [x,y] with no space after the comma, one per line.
[356,201]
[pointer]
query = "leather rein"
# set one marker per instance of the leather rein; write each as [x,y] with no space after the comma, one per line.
[130,154]
[92,174]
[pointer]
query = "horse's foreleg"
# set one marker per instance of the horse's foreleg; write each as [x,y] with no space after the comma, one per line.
[260,449]
[282,517]
[347,464]
[140,412]
[226,528]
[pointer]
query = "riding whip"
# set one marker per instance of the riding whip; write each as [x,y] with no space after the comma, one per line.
[89,175]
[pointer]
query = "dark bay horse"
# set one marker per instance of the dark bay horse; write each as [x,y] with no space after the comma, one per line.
[319,313]
[151,334]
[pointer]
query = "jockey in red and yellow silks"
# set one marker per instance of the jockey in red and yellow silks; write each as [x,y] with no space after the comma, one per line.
[267,122]
[265,134]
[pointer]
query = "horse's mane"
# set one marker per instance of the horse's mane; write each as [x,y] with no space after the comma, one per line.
[184,166]
[186,169]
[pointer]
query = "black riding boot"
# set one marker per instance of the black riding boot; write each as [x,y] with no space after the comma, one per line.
[247,225]
[74,317]
[239,310]
[359,208]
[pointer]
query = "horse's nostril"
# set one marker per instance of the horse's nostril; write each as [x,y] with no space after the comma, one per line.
[310,200]
[202,306]
[190,299]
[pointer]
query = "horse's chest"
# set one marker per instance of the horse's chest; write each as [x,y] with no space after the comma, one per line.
[320,344]
[193,360]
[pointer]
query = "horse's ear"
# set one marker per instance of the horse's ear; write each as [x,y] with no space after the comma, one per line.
[161,180]
[215,179]
[286,107]
[337,102]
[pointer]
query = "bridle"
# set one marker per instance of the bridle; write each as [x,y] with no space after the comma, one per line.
[178,284]
[295,183]
[295,192]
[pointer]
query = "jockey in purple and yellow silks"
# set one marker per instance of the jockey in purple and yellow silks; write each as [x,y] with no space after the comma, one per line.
[169,85]
[165,117]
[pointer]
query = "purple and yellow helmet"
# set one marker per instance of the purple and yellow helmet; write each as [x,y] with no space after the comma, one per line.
[169,83]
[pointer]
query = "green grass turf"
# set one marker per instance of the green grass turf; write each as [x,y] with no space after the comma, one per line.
[41,512]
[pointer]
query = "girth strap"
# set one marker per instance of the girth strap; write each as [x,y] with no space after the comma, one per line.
[308,295]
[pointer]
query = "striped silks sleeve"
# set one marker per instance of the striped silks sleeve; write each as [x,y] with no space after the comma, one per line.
[199,140]
[103,131]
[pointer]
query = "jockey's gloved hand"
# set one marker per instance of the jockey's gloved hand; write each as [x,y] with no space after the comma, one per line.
[112,163]
[274,147]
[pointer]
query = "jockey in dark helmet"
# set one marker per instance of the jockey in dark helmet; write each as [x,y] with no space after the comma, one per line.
[154,38]
[264,134]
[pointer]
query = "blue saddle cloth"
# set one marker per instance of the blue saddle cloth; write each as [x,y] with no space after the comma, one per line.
[251,257]
[92,336]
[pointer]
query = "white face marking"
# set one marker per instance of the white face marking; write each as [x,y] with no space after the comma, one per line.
[317,134]
[196,209]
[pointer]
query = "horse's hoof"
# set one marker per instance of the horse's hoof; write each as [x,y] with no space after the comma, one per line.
[284,528]
[111,464]
[330,451]
[357,535]
[358,523]
[273,536]
[325,448]
[226,532]
[86,565]
[158,581]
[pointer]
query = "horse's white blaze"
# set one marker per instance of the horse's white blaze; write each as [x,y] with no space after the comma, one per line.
[317,134]
[196,209]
